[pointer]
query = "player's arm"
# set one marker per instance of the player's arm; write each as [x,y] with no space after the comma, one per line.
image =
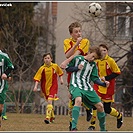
[115,70]
[36,85]
[72,69]
[65,62]
[61,79]
[111,76]
[71,50]
[99,82]
[7,72]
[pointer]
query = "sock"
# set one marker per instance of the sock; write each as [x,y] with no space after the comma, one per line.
[101,118]
[52,113]
[75,116]
[49,111]
[115,113]
[4,110]
[93,119]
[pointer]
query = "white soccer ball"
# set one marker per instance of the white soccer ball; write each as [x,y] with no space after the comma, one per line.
[95,9]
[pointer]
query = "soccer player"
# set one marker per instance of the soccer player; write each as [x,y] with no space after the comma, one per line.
[47,74]
[75,45]
[84,71]
[107,70]
[6,67]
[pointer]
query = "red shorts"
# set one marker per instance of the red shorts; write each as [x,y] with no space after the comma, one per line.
[51,94]
[105,97]
[108,97]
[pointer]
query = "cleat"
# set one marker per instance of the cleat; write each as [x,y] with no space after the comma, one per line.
[89,114]
[47,121]
[52,119]
[91,128]
[70,126]
[4,117]
[119,122]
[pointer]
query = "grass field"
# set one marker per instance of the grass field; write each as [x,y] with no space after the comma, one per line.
[34,122]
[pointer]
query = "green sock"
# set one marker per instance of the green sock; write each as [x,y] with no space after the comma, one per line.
[101,118]
[75,116]
[4,110]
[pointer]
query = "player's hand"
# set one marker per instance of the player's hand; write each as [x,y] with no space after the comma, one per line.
[78,41]
[61,82]
[80,66]
[107,83]
[69,95]
[9,78]
[103,79]
[35,89]
[4,76]
[64,64]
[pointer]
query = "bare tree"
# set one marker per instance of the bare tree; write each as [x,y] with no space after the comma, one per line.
[18,36]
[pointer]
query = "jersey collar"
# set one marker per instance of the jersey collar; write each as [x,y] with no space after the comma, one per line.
[49,65]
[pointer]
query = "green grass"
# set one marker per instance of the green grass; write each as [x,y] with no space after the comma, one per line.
[34,122]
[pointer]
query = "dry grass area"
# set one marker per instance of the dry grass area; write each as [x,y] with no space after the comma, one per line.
[34,122]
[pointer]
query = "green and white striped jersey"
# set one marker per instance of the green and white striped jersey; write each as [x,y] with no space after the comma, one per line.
[83,77]
[5,63]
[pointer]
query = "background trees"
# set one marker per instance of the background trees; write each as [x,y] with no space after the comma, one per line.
[18,35]
[25,32]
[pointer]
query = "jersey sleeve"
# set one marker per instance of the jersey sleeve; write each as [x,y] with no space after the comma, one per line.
[67,45]
[9,63]
[114,67]
[8,66]
[59,70]
[38,74]
[84,46]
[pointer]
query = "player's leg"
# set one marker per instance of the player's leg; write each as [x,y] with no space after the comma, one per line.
[93,119]
[70,107]
[90,98]
[52,119]
[76,101]
[49,109]
[101,116]
[113,112]
[4,117]
[1,107]
[2,101]
[88,114]
[75,113]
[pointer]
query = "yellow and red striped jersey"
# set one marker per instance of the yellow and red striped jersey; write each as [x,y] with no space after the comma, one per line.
[83,46]
[106,67]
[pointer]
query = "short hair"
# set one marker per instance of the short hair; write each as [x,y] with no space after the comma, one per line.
[104,46]
[48,54]
[96,49]
[74,25]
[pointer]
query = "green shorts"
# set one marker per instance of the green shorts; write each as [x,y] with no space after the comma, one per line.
[89,97]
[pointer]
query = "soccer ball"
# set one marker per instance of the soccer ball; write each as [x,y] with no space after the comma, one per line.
[95,9]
